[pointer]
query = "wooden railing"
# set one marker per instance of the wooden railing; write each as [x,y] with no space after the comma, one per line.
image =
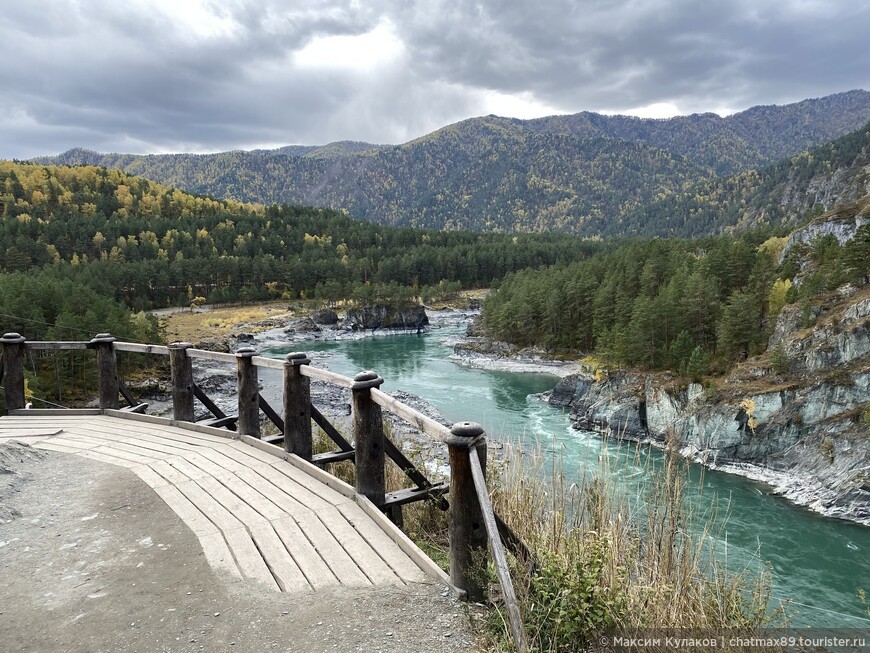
[472,522]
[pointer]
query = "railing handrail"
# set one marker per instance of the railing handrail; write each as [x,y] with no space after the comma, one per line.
[368,399]
[406,413]
[498,553]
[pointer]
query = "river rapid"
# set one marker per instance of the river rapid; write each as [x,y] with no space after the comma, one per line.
[821,564]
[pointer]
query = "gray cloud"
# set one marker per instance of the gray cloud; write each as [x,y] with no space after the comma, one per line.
[131,76]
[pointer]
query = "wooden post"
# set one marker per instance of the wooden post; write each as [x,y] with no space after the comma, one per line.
[14,348]
[107,367]
[248,392]
[297,406]
[181,368]
[368,435]
[466,528]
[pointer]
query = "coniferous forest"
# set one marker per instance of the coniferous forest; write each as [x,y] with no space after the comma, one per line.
[128,243]
[86,248]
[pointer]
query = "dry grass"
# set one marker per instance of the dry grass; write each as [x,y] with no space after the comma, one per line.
[194,326]
[609,561]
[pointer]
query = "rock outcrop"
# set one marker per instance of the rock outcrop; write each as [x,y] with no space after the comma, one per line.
[386,317]
[806,432]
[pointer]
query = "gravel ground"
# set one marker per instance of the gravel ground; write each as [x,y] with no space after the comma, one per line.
[93,561]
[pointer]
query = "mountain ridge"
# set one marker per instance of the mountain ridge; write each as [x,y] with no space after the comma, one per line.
[577,173]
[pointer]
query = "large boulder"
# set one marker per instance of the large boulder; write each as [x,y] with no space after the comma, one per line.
[386,317]
[325,316]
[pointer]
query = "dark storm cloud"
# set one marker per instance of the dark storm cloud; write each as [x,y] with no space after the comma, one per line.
[146,76]
[621,55]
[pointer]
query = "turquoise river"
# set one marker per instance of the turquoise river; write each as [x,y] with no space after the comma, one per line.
[820,564]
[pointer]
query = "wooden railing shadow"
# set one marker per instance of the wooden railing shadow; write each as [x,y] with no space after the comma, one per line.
[472,521]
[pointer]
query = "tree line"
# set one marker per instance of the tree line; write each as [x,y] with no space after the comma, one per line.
[149,246]
[693,306]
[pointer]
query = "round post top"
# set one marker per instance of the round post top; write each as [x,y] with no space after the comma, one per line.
[366,380]
[12,338]
[466,430]
[298,358]
[103,338]
[246,352]
[180,345]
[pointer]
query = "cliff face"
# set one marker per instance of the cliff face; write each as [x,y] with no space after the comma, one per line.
[387,317]
[806,431]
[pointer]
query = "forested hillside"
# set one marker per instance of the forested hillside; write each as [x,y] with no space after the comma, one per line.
[147,245]
[787,192]
[692,306]
[578,174]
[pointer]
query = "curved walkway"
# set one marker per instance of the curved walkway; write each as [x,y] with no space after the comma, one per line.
[256,514]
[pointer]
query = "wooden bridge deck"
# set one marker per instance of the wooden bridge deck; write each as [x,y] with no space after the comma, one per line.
[257,515]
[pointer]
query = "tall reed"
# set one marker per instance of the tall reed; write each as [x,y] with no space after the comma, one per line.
[616,557]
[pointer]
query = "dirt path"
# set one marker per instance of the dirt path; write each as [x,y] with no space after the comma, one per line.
[94,561]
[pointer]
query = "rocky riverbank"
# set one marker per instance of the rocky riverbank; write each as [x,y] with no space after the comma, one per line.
[803,430]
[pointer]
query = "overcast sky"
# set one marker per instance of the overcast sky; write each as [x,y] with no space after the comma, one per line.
[209,75]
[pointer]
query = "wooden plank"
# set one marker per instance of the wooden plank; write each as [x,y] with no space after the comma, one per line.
[325,375]
[305,555]
[311,484]
[55,345]
[404,542]
[79,444]
[253,498]
[51,446]
[210,468]
[383,545]
[412,494]
[27,439]
[144,444]
[121,445]
[137,348]
[278,560]
[324,477]
[413,417]
[227,421]
[332,457]
[167,470]
[252,453]
[152,478]
[164,445]
[331,552]
[327,427]
[164,429]
[221,459]
[54,412]
[182,466]
[270,412]
[232,503]
[163,421]
[265,447]
[358,549]
[117,452]
[106,458]
[498,555]
[214,511]
[206,401]
[271,363]
[189,513]
[28,432]
[284,501]
[248,558]
[295,492]
[216,356]
[218,555]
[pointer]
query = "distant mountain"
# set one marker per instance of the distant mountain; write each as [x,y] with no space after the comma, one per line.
[788,192]
[583,173]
